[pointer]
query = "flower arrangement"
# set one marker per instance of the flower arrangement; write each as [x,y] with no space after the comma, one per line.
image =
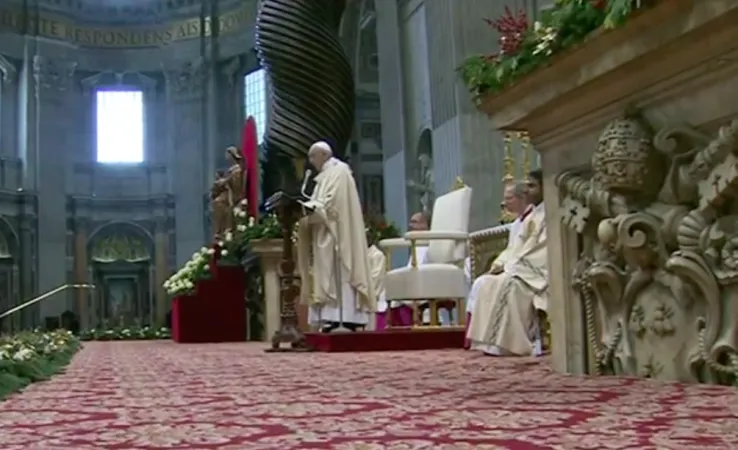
[135,333]
[524,49]
[235,243]
[33,356]
[230,249]
[197,268]
[377,228]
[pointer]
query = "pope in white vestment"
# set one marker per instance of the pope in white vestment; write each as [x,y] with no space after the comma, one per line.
[504,319]
[333,256]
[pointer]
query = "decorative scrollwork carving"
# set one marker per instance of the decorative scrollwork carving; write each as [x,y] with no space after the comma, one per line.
[120,248]
[659,223]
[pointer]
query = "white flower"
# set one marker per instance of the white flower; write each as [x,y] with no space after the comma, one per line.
[241,227]
[244,202]
[203,250]
[237,211]
[545,37]
[211,251]
[221,243]
[224,252]
[228,236]
[24,354]
[206,267]
[252,221]
[195,256]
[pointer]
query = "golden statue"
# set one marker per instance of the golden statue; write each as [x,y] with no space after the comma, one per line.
[228,190]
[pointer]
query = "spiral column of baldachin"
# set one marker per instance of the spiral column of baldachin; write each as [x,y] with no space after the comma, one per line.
[311,78]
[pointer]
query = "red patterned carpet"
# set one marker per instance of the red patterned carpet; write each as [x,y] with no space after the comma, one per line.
[144,395]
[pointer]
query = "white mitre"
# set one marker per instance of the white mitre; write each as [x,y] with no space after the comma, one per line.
[322,147]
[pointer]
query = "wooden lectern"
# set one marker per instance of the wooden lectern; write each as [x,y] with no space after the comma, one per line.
[288,211]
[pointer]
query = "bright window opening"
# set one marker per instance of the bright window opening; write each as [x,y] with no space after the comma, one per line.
[255,100]
[120,127]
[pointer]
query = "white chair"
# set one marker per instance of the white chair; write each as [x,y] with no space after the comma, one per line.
[441,276]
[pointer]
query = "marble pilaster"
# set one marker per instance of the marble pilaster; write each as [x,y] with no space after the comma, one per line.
[391,112]
[185,97]
[53,86]
[81,263]
[470,145]
[27,268]
[161,268]
[8,78]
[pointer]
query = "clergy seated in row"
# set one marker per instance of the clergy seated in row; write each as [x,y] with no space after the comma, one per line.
[332,250]
[378,268]
[504,303]
[515,202]
[401,313]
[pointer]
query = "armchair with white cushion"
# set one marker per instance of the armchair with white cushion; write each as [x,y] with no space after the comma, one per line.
[441,275]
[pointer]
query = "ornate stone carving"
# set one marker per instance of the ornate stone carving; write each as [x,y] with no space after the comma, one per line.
[110,78]
[232,71]
[188,81]
[53,75]
[8,72]
[659,269]
[119,248]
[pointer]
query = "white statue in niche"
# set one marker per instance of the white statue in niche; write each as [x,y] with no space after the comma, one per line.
[425,184]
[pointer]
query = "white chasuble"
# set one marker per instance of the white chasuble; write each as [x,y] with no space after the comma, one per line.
[504,320]
[333,258]
[501,260]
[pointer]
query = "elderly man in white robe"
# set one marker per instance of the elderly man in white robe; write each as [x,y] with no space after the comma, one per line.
[504,319]
[515,200]
[333,257]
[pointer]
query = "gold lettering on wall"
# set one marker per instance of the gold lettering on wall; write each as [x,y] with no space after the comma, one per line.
[53,27]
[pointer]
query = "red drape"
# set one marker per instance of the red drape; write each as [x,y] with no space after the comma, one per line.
[250,151]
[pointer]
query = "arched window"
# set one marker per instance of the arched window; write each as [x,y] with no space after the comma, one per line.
[255,100]
[120,126]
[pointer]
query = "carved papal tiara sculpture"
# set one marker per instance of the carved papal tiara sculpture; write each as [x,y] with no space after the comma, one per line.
[311,78]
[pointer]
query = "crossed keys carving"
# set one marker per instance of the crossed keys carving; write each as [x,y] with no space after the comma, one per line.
[718,185]
[574,214]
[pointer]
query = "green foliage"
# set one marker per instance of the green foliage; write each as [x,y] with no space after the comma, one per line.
[134,333]
[377,228]
[565,25]
[235,244]
[33,356]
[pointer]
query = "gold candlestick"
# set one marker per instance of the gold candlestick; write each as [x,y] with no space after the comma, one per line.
[509,172]
[526,150]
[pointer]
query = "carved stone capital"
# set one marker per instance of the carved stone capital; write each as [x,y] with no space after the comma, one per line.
[187,81]
[53,76]
[109,78]
[8,72]
[232,71]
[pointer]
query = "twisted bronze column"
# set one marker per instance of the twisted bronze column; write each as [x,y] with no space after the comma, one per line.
[311,78]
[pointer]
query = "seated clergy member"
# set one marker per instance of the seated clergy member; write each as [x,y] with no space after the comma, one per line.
[339,289]
[504,317]
[402,312]
[378,268]
[515,201]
